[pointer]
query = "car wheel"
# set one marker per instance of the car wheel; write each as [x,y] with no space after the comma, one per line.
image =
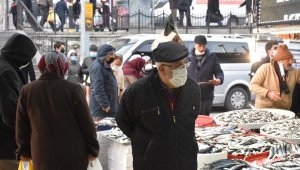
[237,98]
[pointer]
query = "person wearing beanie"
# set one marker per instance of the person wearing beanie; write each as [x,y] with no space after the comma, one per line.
[274,82]
[75,74]
[271,48]
[158,113]
[86,64]
[203,68]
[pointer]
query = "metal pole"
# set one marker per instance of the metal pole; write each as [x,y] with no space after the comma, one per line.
[5,15]
[84,37]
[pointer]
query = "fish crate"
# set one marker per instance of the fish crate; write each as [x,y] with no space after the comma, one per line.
[119,156]
[203,159]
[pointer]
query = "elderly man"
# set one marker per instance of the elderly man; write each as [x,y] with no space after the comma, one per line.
[274,82]
[158,113]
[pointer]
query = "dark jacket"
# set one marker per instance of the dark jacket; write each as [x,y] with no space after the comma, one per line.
[104,88]
[256,65]
[162,138]
[54,126]
[75,73]
[184,4]
[28,70]
[61,8]
[87,62]
[204,70]
[76,10]
[17,51]
[248,4]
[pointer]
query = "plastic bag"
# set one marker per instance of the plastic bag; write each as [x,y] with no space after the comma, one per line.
[94,165]
[25,165]
[51,16]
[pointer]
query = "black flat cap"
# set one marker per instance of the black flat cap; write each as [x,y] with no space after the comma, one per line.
[170,52]
[200,39]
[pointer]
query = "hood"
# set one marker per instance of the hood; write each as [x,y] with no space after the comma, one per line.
[19,49]
[103,51]
[71,52]
[207,51]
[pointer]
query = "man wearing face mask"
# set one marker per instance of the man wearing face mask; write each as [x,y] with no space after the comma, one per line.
[59,47]
[203,68]
[273,83]
[104,88]
[17,52]
[158,113]
[86,64]
[271,48]
[118,73]
[75,71]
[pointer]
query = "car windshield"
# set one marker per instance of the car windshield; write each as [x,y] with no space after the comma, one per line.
[122,45]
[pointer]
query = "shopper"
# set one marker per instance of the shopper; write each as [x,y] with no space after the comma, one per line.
[59,47]
[132,71]
[54,127]
[17,52]
[203,68]
[118,73]
[75,74]
[104,87]
[62,10]
[184,8]
[158,113]
[76,12]
[44,6]
[273,83]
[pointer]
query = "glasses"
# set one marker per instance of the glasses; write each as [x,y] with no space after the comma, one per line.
[181,66]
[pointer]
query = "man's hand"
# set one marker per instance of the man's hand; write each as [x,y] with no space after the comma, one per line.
[24,158]
[91,158]
[215,82]
[106,109]
[274,96]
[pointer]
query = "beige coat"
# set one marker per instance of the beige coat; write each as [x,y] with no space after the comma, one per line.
[265,79]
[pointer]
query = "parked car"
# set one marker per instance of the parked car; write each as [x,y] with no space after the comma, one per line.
[233,52]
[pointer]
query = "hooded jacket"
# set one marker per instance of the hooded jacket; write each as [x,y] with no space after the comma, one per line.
[17,52]
[204,70]
[104,88]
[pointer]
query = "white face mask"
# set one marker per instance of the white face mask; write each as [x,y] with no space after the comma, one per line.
[281,68]
[199,53]
[148,66]
[179,77]
[115,68]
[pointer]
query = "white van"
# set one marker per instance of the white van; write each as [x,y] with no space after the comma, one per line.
[232,51]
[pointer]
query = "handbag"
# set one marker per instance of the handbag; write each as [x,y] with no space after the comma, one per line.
[25,165]
[94,165]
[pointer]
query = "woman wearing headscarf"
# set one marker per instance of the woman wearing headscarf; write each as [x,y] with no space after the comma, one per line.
[75,74]
[132,71]
[53,125]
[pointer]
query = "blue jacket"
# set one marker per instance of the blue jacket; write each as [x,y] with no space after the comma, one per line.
[61,8]
[104,89]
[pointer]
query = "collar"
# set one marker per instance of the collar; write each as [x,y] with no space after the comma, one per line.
[48,76]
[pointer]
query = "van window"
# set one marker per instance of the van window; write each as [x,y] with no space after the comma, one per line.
[122,45]
[144,49]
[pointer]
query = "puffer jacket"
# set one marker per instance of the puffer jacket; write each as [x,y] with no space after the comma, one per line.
[162,130]
[104,88]
[265,79]
[75,74]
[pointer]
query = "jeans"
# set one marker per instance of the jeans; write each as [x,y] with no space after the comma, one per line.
[44,12]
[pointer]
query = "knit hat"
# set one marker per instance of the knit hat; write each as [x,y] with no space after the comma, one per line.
[72,51]
[200,39]
[283,53]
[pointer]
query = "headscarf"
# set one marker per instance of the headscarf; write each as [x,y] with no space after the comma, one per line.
[54,62]
[134,67]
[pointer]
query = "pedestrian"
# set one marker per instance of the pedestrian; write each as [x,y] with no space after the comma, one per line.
[13,11]
[62,11]
[158,113]
[54,127]
[75,74]
[59,46]
[44,6]
[76,12]
[104,87]
[173,8]
[184,8]
[274,82]
[106,15]
[17,52]
[213,13]
[203,68]
[86,64]
[132,71]
[118,73]
[271,48]
[28,71]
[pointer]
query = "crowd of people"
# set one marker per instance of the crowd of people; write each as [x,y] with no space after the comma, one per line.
[51,120]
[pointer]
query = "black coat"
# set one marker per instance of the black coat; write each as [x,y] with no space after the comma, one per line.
[207,69]
[184,4]
[86,64]
[76,10]
[28,70]
[17,51]
[75,73]
[162,138]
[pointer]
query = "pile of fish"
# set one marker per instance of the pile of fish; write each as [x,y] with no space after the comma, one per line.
[117,135]
[232,140]
[283,149]
[249,116]
[228,164]
[290,162]
[283,129]
[108,121]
